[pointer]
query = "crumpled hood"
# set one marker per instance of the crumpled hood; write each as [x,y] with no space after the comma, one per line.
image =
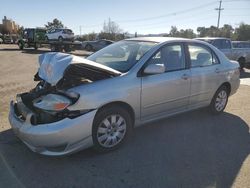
[54,64]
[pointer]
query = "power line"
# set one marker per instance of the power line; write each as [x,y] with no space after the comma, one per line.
[166,15]
[157,17]
[229,1]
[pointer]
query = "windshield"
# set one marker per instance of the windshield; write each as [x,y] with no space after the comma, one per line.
[122,55]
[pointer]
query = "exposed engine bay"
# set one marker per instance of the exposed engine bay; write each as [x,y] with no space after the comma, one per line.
[58,72]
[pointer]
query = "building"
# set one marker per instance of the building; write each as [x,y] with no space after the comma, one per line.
[8,26]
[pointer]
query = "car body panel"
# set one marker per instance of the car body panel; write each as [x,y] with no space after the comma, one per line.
[56,33]
[67,132]
[170,93]
[96,45]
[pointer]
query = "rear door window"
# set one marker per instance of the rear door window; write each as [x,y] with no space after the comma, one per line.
[201,56]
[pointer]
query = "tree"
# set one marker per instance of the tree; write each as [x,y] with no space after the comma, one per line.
[226,31]
[111,27]
[201,31]
[20,30]
[111,31]
[173,32]
[187,33]
[242,32]
[212,31]
[55,24]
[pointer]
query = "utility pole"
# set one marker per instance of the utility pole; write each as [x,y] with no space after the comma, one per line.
[219,9]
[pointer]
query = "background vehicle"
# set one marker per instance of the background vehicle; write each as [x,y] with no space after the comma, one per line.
[96,45]
[96,101]
[241,44]
[36,38]
[1,38]
[7,39]
[32,37]
[225,45]
[60,35]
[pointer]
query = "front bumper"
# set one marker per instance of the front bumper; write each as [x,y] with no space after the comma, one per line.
[59,138]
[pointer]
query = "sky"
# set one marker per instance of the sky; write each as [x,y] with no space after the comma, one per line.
[141,16]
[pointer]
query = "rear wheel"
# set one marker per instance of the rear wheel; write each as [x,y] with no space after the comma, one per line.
[111,127]
[242,63]
[219,101]
[60,39]
[67,48]
[89,47]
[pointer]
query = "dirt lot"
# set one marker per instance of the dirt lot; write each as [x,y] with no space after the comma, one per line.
[194,149]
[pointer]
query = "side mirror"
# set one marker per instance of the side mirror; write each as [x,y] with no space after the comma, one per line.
[154,69]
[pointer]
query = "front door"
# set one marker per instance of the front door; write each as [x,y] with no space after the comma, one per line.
[166,93]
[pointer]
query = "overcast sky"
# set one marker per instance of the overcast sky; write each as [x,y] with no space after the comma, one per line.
[142,16]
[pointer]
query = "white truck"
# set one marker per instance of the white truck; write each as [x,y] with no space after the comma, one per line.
[242,55]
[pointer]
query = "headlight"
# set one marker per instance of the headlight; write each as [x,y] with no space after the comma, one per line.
[52,102]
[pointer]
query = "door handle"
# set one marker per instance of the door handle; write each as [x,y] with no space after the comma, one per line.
[217,70]
[185,76]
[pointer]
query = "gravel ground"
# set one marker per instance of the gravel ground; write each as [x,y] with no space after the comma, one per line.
[194,149]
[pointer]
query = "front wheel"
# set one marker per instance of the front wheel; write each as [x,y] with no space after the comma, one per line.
[20,45]
[219,101]
[36,46]
[89,47]
[111,127]
[60,39]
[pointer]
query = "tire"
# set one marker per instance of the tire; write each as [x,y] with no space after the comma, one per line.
[89,47]
[67,48]
[54,48]
[111,128]
[60,39]
[242,63]
[36,46]
[20,45]
[219,101]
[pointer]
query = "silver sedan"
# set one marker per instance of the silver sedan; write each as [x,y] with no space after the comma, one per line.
[97,101]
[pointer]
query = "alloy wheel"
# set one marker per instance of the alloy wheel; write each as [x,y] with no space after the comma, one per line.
[221,100]
[111,130]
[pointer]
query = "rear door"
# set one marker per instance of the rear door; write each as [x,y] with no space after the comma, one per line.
[205,74]
[166,93]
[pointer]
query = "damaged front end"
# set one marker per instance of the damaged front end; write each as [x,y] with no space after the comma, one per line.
[45,105]
[58,72]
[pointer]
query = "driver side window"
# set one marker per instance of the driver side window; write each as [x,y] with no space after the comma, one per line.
[171,56]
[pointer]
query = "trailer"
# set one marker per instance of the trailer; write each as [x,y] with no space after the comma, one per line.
[35,38]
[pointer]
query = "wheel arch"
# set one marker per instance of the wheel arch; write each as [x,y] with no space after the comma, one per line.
[122,104]
[242,61]
[227,85]
[241,58]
